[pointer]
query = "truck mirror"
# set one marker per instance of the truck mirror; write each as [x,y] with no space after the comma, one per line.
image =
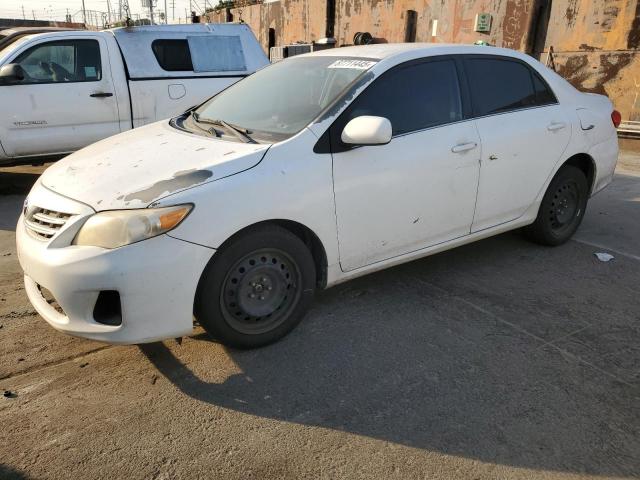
[11,73]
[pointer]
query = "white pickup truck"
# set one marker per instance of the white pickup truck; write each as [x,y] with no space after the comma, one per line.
[61,91]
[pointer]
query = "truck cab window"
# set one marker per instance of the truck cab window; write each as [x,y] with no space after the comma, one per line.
[62,61]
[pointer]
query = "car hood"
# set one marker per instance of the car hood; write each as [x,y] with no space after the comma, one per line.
[138,167]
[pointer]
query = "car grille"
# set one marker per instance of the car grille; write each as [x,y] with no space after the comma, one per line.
[43,224]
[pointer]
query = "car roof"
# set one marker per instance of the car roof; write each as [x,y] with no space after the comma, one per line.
[381,51]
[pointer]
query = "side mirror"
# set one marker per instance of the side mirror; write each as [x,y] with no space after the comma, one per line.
[367,130]
[11,73]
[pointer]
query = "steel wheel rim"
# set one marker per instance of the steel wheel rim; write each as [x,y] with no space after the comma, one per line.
[565,207]
[260,291]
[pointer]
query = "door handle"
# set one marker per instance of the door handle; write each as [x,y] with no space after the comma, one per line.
[552,127]
[590,127]
[463,147]
[101,95]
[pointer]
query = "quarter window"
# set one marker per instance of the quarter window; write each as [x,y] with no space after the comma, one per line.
[62,61]
[173,55]
[412,97]
[544,95]
[499,85]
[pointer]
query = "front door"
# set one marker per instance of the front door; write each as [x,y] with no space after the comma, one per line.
[418,190]
[66,101]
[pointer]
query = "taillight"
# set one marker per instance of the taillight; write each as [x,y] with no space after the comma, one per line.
[616,118]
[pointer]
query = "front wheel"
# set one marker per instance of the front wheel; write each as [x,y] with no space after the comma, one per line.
[561,209]
[257,288]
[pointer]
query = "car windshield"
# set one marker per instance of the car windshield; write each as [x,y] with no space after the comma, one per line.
[281,99]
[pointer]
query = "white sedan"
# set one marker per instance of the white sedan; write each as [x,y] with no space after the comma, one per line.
[313,171]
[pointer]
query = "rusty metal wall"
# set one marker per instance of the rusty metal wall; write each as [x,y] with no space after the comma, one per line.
[304,20]
[293,20]
[451,21]
[595,42]
[595,46]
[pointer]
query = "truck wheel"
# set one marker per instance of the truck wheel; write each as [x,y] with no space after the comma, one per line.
[257,288]
[562,208]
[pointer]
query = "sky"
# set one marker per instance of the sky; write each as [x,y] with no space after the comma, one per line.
[57,9]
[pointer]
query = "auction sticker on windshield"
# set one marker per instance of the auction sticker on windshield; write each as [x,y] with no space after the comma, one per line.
[357,64]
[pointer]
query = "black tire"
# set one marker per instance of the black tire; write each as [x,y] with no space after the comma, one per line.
[562,208]
[256,288]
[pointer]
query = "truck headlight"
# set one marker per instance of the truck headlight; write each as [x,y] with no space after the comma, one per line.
[115,228]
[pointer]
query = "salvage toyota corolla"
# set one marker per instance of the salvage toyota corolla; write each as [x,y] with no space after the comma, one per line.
[314,170]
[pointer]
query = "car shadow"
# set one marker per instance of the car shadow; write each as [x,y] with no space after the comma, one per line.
[439,354]
[14,188]
[9,473]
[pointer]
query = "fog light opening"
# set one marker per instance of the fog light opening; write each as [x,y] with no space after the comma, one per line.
[107,309]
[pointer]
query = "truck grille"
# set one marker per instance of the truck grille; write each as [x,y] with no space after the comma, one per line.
[43,224]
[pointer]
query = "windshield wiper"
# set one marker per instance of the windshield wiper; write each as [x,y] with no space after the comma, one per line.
[241,133]
[210,131]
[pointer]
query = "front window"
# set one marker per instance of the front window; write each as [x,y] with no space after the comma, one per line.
[280,100]
[62,61]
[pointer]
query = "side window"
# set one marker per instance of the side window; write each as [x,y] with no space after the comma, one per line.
[544,95]
[62,61]
[173,55]
[412,97]
[217,53]
[499,85]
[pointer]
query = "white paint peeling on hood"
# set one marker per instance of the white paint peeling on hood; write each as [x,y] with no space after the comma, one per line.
[136,168]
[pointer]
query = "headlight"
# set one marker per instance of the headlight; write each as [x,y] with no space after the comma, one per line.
[116,228]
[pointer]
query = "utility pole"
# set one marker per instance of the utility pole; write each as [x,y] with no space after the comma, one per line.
[23,17]
[166,13]
[109,11]
[33,12]
[173,10]
[84,14]
[151,11]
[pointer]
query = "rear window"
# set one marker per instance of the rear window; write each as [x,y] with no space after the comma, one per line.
[173,55]
[499,85]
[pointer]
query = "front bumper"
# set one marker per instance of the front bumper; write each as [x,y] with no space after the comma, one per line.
[156,280]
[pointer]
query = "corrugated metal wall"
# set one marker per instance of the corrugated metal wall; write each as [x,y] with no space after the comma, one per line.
[595,42]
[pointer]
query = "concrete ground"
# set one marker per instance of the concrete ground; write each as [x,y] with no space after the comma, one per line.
[500,359]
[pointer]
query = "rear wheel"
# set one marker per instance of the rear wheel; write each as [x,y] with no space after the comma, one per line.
[562,208]
[257,288]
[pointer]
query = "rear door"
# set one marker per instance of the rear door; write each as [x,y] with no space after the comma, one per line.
[66,101]
[524,132]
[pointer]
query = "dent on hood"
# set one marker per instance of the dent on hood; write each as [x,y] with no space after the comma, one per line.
[180,180]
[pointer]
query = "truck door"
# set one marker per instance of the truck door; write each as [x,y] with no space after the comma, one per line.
[65,101]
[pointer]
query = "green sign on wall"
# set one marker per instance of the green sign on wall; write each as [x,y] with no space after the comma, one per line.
[483,22]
